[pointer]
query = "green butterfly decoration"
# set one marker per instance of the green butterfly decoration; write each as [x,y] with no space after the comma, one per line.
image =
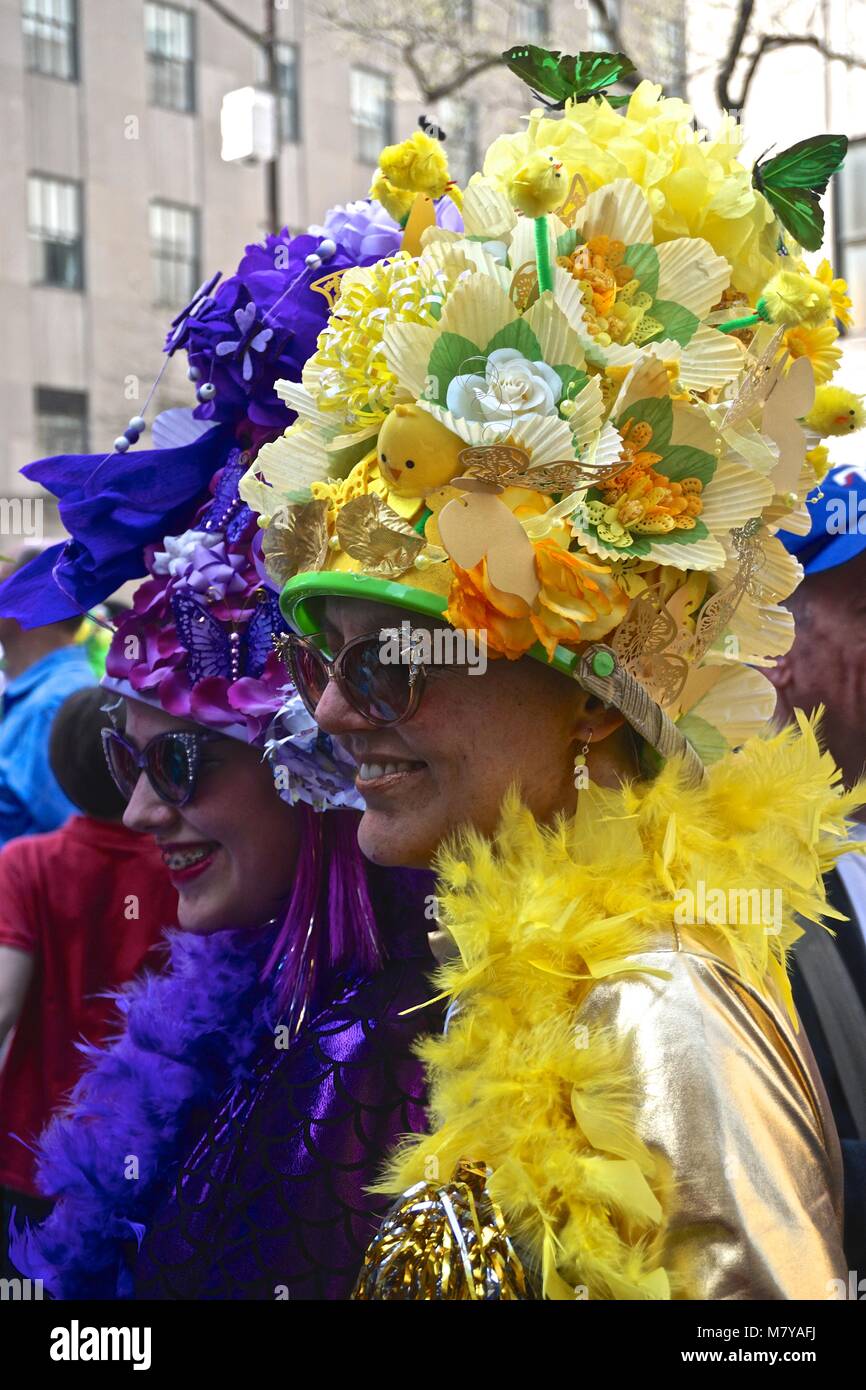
[556,78]
[793,181]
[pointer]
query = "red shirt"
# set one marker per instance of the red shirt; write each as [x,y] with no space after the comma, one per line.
[70,898]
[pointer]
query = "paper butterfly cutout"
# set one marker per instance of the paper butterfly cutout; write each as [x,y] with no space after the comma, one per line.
[217,650]
[641,644]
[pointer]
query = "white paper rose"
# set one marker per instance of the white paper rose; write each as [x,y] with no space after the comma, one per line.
[511,386]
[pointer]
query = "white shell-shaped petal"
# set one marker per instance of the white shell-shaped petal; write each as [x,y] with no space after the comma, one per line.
[560,344]
[570,300]
[691,274]
[298,398]
[710,359]
[546,438]
[619,210]
[477,309]
[476,432]
[739,703]
[735,494]
[295,460]
[407,348]
[587,412]
[486,210]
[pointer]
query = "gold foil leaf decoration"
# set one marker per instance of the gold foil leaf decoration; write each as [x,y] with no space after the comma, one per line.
[296,540]
[372,532]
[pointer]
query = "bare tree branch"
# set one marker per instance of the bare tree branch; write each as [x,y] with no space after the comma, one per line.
[770,43]
[745,10]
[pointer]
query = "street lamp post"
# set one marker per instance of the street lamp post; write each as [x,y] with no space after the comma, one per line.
[266,42]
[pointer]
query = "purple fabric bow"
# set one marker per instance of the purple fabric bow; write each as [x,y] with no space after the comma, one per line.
[112,508]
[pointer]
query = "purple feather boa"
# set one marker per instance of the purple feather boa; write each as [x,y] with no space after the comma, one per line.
[188,1034]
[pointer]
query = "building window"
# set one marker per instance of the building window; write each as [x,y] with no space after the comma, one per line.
[54,214]
[174,253]
[170,57]
[61,422]
[458,117]
[288,90]
[372,114]
[850,192]
[532,21]
[51,37]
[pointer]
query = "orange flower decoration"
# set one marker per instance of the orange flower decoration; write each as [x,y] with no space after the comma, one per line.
[578,602]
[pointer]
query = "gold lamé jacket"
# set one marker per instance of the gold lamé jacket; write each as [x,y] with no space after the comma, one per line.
[729,1096]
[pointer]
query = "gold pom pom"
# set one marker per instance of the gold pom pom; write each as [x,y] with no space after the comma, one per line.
[444,1242]
[792,299]
[836,411]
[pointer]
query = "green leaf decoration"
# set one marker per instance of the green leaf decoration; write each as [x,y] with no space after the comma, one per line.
[684,461]
[644,261]
[704,737]
[656,412]
[566,243]
[573,382]
[452,356]
[516,335]
[678,323]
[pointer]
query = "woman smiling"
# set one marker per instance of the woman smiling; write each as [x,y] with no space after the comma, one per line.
[565,453]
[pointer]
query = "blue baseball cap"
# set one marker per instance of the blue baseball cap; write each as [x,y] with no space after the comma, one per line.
[838,530]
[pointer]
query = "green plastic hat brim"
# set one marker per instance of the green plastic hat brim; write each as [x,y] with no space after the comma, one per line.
[299,591]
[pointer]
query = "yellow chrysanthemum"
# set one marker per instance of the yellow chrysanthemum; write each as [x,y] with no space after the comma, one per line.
[348,373]
[696,186]
[819,345]
[839,297]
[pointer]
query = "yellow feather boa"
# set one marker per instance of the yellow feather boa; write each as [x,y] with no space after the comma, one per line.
[539,915]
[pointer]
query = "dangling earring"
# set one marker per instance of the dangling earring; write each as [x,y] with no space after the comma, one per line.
[581,772]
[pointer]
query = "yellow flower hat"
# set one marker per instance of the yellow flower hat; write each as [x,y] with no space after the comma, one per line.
[571,425]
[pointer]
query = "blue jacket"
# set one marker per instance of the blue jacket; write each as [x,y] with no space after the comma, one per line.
[30,799]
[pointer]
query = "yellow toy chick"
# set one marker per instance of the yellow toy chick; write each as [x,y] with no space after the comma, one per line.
[418,165]
[416,453]
[536,186]
[836,411]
